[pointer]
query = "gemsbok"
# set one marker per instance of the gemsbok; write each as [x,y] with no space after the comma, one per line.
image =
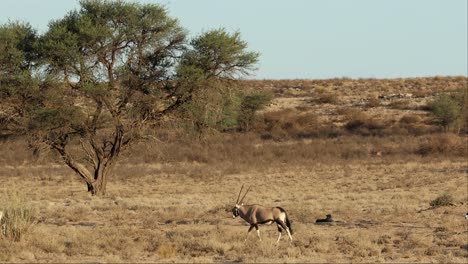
[257,215]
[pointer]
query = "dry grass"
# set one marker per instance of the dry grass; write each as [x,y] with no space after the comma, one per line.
[161,214]
[377,167]
[18,218]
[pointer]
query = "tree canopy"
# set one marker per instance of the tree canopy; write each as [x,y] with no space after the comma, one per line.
[102,73]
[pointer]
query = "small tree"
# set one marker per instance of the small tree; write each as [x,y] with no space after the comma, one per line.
[249,106]
[447,111]
[216,58]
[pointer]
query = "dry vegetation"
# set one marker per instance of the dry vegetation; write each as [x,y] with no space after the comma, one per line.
[363,150]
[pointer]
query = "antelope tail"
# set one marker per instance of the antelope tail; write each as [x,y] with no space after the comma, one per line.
[288,224]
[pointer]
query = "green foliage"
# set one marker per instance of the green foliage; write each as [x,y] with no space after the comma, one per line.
[103,37]
[18,219]
[16,58]
[20,88]
[249,106]
[57,118]
[223,109]
[447,111]
[230,111]
[220,55]
[17,52]
[212,108]
[190,81]
[204,73]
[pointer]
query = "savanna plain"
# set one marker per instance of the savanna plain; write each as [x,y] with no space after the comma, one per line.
[366,151]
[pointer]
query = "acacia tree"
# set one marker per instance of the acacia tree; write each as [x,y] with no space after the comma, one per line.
[100,71]
[112,55]
[89,86]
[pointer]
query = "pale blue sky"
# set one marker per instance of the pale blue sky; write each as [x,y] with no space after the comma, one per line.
[310,39]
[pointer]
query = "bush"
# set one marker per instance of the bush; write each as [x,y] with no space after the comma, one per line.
[361,124]
[442,200]
[288,123]
[248,108]
[409,119]
[326,97]
[442,144]
[373,102]
[447,111]
[399,104]
[213,109]
[18,218]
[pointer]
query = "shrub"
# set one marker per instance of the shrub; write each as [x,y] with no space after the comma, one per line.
[442,144]
[447,111]
[326,97]
[409,119]
[442,200]
[361,124]
[288,123]
[373,102]
[399,104]
[249,106]
[18,218]
[419,129]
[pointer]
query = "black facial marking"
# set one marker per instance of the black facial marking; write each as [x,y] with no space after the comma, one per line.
[235,211]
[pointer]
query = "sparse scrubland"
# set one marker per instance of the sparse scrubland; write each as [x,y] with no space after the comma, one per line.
[122,140]
[370,152]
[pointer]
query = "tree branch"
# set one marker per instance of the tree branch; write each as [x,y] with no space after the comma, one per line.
[68,159]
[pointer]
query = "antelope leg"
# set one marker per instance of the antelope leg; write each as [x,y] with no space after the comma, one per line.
[248,232]
[279,231]
[279,237]
[281,223]
[258,232]
[289,234]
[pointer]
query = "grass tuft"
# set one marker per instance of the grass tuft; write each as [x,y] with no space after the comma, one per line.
[442,200]
[18,217]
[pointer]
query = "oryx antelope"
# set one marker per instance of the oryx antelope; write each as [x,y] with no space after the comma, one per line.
[256,215]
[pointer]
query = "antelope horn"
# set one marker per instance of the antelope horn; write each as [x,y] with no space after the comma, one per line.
[237,201]
[245,194]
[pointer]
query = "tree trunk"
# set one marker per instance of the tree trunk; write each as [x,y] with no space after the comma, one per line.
[96,179]
[98,187]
